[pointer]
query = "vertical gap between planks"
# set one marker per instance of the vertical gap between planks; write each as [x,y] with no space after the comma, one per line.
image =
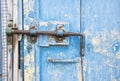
[82,73]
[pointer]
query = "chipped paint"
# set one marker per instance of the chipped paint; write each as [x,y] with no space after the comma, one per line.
[44,23]
[96,41]
[29,62]
[29,65]
[28,6]
[79,74]
[85,65]
[66,15]
[29,73]
[101,60]
[118,55]
[29,52]
[102,32]
[59,22]
[102,40]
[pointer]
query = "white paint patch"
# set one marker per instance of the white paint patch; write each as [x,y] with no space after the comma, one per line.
[118,55]
[52,22]
[103,40]
[29,61]
[44,23]
[66,15]
[89,70]
[59,22]
[28,6]
[96,41]
[85,65]
[79,74]
[26,27]
[95,16]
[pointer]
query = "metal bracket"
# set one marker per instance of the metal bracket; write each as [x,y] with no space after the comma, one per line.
[59,27]
[9,32]
[59,38]
[33,34]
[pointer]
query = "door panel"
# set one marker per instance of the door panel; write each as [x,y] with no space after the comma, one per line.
[100,21]
[101,26]
[37,66]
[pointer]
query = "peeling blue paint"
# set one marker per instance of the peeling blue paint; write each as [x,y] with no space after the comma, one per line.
[100,23]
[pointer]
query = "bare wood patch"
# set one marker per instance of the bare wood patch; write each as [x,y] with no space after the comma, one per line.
[15,41]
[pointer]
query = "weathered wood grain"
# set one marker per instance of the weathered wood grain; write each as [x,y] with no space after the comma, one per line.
[15,41]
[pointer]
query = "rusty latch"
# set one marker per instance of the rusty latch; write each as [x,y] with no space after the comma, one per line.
[33,32]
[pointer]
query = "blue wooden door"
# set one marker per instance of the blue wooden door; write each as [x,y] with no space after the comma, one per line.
[98,20]
[101,26]
[51,58]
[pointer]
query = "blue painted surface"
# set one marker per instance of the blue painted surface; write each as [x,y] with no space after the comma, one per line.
[66,11]
[0,46]
[100,23]
[101,26]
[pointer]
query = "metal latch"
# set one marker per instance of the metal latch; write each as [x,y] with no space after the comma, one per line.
[58,33]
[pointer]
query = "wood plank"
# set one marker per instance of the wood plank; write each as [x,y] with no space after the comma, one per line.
[15,57]
[15,41]
[9,47]
[29,54]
